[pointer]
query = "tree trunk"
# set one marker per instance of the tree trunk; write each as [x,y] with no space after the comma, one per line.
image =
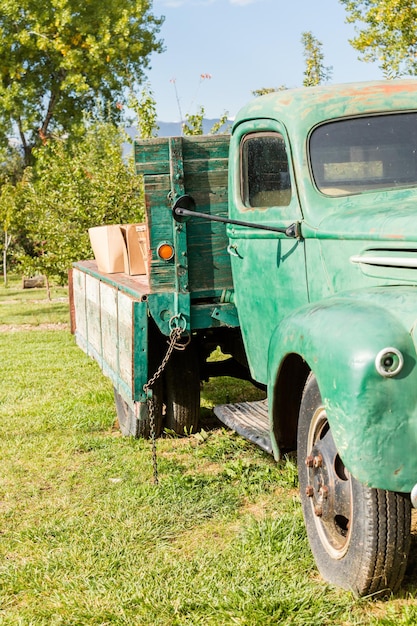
[48,288]
[7,240]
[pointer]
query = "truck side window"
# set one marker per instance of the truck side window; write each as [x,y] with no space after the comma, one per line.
[265,178]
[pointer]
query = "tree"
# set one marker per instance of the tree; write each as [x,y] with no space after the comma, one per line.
[73,186]
[263,91]
[386,33]
[145,110]
[315,72]
[11,171]
[193,124]
[7,193]
[59,56]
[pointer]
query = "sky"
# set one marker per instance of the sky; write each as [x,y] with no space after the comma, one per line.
[217,52]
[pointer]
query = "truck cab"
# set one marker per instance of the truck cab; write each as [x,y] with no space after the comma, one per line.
[336,304]
[294,248]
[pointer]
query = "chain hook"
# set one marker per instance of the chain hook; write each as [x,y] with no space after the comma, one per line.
[177,326]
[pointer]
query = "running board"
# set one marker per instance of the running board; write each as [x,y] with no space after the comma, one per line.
[249,419]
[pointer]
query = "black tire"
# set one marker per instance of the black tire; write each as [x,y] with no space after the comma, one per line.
[182,391]
[360,537]
[134,425]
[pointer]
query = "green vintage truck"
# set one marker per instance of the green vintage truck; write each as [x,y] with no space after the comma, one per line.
[292,245]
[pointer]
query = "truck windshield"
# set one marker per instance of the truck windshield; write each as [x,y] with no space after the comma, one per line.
[364,154]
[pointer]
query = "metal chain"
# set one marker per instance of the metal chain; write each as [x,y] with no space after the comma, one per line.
[173,344]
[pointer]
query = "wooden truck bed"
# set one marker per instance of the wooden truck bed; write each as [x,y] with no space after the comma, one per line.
[116,316]
[110,324]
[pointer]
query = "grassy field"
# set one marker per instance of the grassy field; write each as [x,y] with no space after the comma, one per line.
[86,538]
[20,306]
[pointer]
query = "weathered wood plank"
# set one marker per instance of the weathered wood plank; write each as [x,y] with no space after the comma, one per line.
[125,330]
[206,147]
[93,316]
[141,349]
[205,181]
[152,156]
[155,183]
[109,327]
[205,178]
[79,303]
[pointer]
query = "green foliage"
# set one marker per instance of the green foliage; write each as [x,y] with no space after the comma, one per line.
[315,72]
[59,56]
[11,173]
[386,33]
[194,124]
[265,90]
[12,164]
[73,186]
[221,126]
[145,110]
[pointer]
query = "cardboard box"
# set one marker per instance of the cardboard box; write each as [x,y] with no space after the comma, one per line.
[120,248]
[135,254]
[109,248]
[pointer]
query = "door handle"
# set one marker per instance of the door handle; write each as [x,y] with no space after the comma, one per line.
[232,250]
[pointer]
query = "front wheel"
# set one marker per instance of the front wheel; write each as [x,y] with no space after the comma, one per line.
[359,536]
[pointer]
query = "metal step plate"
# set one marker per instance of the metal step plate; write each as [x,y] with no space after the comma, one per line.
[249,419]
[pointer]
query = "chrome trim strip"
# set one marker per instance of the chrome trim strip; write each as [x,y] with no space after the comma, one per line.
[387,261]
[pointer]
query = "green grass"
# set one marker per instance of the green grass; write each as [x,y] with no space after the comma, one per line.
[20,306]
[86,538]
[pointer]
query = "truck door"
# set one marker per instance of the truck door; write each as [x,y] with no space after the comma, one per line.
[268,267]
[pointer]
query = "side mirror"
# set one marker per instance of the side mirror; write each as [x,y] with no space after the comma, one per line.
[183,208]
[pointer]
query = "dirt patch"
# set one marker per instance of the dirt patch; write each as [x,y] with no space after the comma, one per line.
[13,328]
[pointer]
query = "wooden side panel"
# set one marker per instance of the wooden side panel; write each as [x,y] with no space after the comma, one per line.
[93,316]
[125,338]
[205,161]
[152,156]
[109,329]
[160,227]
[112,327]
[140,349]
[80,313]
[206,177]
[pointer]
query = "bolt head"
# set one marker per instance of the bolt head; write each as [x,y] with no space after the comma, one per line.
[318,511]
[318,461]
[324,491]
[309,491]
[309,461]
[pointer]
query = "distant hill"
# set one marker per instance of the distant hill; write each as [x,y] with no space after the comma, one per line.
[173,129]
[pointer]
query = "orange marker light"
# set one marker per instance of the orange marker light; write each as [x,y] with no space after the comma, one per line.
[165,251]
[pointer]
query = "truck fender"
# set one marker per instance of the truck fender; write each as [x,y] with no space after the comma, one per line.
[373,417]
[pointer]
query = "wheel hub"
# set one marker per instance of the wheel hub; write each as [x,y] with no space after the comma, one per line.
[328,488]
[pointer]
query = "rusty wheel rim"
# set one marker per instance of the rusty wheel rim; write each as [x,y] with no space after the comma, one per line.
[329,488]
